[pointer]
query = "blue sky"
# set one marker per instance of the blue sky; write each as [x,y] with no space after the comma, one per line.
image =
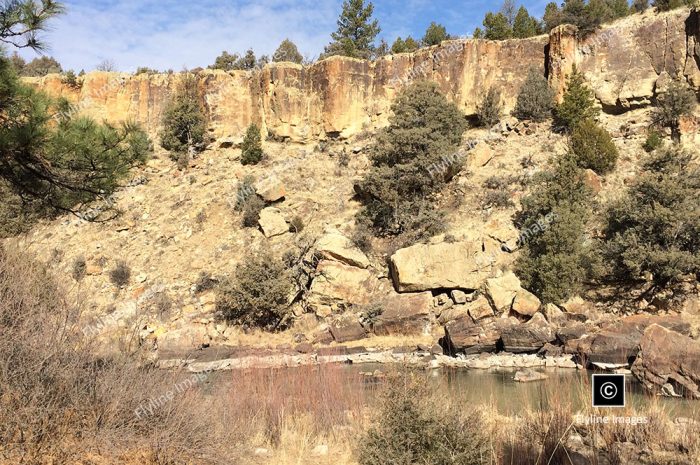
[172,34]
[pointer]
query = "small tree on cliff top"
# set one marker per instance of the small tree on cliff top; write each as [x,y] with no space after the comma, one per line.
[356,31]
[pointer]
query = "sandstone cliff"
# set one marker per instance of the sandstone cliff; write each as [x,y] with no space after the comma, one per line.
[626,62]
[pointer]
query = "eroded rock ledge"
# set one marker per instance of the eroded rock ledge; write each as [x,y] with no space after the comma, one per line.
[627,63]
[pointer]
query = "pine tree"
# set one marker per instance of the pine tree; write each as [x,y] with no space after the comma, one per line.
[553,16]
[478,33]
[287,51]
[593,148]
[578,103]
[42,66]
[535,99]
[251,148]
[434,35]
[404,46]
[555,259]
[183,119]
[356,31]
[679,100]
[48,155]
[226,61]
[496,27]
[524,25]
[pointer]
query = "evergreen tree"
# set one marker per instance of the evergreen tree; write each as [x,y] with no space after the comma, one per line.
[434,35]
[640,6]
[356,31]
[409,164]
[578,103]
[287,51]
[555,260]
[679,100]
[553,16]
[619,8]
[251,148]
[48,155]
[248,61]
[535,99]
[478,33]
[592,147]
[183,119]
[404,46]
[655,227]
[496,27]
[524,25]
[17,63]
[42,66]
[381,50]
[226,61]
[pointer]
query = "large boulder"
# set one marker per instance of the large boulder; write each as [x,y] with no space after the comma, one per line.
[506,293]
[528,337]
[270,189]
[457,265]
[339,286]
[335,246]
[347,328]
[667,357]
[618,343]
[272,222]
[405,314]
[468,337]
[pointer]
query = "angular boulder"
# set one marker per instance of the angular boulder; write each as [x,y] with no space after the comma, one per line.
[526,303]
[270,189]
[402,315]
[467,337]
[480,308]
[618,343]
[457,265]
[338,286]
[272,222]
[528,337]
[668,357]
[335,246]
[347,328]
[502,291]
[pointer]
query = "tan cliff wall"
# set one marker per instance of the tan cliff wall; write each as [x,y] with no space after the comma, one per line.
[626,63]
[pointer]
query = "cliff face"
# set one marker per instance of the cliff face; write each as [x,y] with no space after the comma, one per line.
[626,63]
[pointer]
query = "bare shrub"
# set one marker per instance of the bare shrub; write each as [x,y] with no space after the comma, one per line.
[79,268]
[120,274]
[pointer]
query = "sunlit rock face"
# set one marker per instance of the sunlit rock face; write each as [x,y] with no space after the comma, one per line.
[626,63]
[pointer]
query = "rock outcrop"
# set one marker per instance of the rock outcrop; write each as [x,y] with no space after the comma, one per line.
[343,96]
[667,357]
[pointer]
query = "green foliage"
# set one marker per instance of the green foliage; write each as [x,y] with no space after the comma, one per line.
[356,31]
[287,51]
[667,5]
[554,259]
[411,429]
[488,112]
[525,25]
[593,147]
[21,21]
[655,228]
[654,141]
[679,100]
[535,99]
[48,154]
[497,27]
[251,148]
[553,16]
[120,275]
[145,70]
[409,164]
[478,33]
[230,62]
[258,294]
[404,46]
[70,79]
[17,63]
[578,103]
[183,119]
[41,66]
[434,35]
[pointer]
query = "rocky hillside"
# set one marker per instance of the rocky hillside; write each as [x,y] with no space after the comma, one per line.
[454,294]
